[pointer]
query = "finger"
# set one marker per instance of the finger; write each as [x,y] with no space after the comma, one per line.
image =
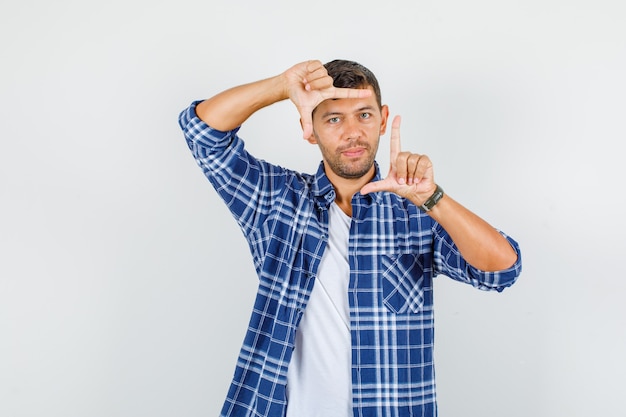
[394,141]
[322,83]
[423,166]
[372,187]
[314,71]
[394,144]
[314,65]
[347,93]
[306,119]
[403,171]
[412,168]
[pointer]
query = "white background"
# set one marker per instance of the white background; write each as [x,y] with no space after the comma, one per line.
[125,286]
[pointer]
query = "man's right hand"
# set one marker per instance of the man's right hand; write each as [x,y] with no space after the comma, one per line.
[308,84]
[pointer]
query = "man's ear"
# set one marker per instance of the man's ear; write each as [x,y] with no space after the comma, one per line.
[384,111]
[312,139]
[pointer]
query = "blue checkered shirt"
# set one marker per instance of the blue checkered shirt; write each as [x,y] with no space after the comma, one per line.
[395,251]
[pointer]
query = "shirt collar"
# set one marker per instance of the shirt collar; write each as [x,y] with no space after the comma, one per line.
[324,191]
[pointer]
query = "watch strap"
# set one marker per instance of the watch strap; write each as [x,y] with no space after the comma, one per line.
[432,200]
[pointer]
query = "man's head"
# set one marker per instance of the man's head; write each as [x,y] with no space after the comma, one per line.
[350,74]
[348,130]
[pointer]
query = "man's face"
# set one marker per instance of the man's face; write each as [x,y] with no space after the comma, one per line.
[348,132]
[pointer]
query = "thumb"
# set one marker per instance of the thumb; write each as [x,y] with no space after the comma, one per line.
[306,121]
[373,187]
[307,130]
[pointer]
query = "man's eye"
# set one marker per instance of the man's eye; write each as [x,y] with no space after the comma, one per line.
[333,120]
[365,115]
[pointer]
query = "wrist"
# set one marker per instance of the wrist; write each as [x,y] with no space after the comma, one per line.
[430,202]
[283,86]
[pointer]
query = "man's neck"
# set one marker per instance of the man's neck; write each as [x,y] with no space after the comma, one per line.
[346,188]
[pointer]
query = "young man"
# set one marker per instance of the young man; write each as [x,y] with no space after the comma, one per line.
[343,319]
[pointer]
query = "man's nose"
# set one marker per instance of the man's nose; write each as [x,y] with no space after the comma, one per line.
[352,129]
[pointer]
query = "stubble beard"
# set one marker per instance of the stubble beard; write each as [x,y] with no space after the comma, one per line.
[347,168]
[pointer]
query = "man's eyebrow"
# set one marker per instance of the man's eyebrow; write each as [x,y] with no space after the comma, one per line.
[331,113]
[337,113]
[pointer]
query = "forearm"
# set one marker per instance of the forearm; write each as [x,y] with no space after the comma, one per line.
[481,245]
[229,109]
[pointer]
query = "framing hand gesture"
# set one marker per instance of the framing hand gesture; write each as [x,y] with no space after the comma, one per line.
[308,84]
[410,175]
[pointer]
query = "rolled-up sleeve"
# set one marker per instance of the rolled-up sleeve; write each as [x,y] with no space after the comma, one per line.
[201,138]
[450,262]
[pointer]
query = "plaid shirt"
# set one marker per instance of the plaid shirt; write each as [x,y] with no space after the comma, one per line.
[395,251]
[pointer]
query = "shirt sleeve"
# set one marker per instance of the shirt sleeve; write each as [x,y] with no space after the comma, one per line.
[449,262]
[245,183]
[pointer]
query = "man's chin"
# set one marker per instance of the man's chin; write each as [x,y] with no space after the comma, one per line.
[354,174]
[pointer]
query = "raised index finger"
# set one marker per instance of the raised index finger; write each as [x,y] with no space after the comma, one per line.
[394,141]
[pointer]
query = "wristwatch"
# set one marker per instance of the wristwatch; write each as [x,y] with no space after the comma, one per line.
[434,199]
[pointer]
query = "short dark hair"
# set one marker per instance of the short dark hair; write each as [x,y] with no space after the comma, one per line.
[350,74]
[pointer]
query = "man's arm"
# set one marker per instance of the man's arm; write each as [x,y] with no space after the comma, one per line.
[229,109]
[411,176]
[481,245]
[306,84]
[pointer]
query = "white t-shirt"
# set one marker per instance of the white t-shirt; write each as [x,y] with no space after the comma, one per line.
[319,380]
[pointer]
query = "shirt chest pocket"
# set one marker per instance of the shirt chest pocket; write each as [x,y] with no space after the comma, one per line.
[402,283]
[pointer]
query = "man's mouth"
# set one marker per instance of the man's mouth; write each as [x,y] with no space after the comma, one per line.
[353,152]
